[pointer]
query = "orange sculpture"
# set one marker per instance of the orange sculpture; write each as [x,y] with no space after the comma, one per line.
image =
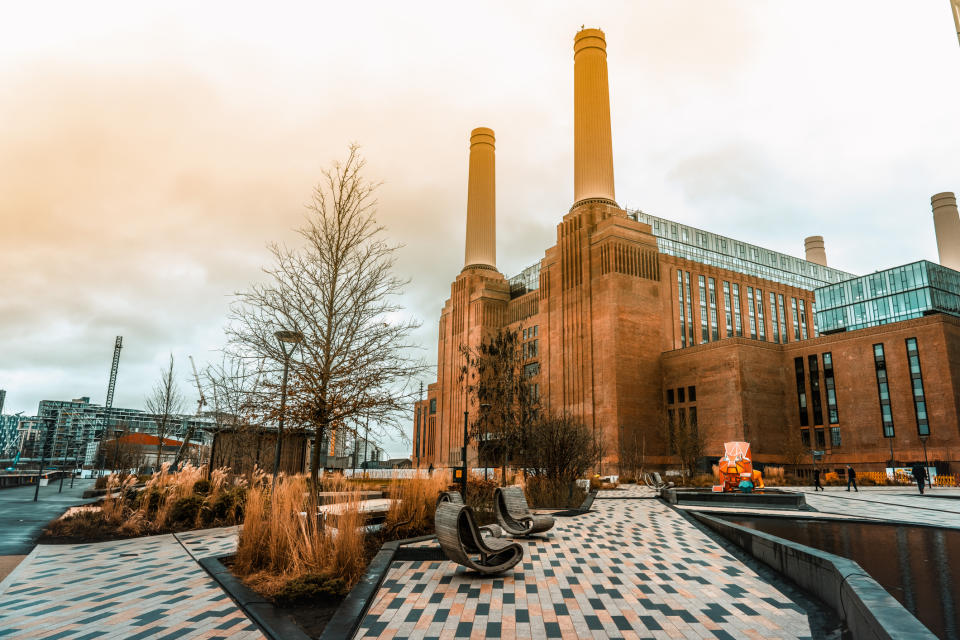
[735,466]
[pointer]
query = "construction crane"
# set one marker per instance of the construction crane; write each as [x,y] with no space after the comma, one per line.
[201,402]
[108,405]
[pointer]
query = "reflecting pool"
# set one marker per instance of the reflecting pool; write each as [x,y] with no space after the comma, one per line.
[919,566]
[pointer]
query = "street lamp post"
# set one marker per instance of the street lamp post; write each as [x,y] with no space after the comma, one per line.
[292,338]
[926,464]
[366,439]
[463,471]
[43,461]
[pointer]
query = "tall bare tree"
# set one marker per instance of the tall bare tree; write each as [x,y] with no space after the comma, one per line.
[236,396]
[504,401]
[560,447]
[338,290]
[164,402]
[685,440]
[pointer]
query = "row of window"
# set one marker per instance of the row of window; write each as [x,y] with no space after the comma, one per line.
[709,248]
[733,312]
[812,374]
[816,400]
[531,332]
[821,438]
[916,385]
[530,349]
[683,394]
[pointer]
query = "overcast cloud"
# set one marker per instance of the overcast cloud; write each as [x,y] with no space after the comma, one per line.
[148,155]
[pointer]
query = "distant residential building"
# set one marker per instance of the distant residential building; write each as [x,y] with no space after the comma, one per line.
[392,463]
[71,431]
[9,436]
[365,453]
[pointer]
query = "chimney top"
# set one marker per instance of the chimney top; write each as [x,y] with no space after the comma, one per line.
[587,38]
[482,135]
[814,249]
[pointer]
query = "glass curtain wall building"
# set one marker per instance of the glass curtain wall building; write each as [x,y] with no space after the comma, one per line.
[901,293]
[690,243]
[684,241]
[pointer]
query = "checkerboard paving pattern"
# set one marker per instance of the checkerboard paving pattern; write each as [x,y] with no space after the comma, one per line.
[628,569]
[134,589]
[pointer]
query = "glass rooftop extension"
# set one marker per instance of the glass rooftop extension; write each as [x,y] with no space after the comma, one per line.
[683,241]
[901,293]
[526,281]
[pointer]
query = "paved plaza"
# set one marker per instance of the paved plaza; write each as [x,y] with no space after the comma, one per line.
[149,587]
[631,568]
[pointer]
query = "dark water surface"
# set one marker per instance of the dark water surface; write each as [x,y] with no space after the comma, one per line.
[919,566]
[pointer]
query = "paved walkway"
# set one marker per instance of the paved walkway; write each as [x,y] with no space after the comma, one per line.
[939,506]
[631,568]
[23,520]
[148,587]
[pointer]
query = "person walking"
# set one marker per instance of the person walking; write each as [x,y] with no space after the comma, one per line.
[920,475]
[852,479]
[816,480]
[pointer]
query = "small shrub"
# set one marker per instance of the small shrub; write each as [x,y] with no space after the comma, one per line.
[628,480]
[185,510]
[86,524]
[150,501]
[553,493]
[201,487]
[480,497]
[307,588]
[101,482]
[701,480]
[595,483]
[227,507]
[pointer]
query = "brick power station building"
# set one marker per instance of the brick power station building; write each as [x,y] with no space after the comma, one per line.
[637,324]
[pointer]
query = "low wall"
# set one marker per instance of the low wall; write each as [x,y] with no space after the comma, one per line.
[863,605]
[766,499]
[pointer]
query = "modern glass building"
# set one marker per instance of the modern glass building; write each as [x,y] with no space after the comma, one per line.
[901,293]
[705,247]
[9,436]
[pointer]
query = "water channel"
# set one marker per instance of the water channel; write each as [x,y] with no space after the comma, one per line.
[919,566]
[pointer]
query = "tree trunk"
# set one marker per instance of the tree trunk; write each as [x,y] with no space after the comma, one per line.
[504,482]
[315,459]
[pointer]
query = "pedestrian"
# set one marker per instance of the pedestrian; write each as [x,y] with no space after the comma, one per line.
[852,479]
[816,480]
[920,475]
[430,470]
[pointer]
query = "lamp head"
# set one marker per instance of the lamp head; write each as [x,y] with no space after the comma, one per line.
[292,337]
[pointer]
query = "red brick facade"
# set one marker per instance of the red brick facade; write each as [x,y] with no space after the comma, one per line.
[613,337]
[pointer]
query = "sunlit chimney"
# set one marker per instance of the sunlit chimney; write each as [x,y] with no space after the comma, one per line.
[592,146]
[481,241]
[815,250]
[946,224]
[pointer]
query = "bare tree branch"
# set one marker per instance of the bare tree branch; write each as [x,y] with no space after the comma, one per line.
[164,402]
[338,290]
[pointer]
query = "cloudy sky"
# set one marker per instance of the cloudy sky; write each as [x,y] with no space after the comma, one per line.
[148,155]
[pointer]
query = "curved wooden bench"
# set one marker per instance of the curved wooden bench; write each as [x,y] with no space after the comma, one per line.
[450,496]
[464,543]
[454,497]
[514,515]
